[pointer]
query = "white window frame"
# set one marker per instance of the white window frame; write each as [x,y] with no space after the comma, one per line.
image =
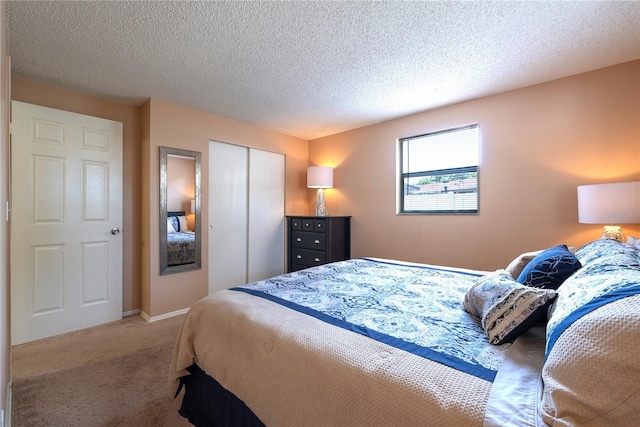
[433,158]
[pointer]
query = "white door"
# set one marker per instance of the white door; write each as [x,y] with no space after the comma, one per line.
[246,215]
[228,207]
[66,247]
[266,215]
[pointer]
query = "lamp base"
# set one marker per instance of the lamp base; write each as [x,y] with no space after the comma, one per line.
[613,232]
[321,206]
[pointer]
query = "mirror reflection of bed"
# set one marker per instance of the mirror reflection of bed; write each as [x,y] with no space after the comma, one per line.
[181,240]
[179,210]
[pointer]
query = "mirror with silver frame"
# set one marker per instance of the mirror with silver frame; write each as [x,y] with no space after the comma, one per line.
[180,234]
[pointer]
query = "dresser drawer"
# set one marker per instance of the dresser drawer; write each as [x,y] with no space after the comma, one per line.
[319,225]
[307,258]
[307,224]
[296,267]
[296,223]
[308,240]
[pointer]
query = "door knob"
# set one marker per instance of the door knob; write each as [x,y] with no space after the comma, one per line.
[115,231]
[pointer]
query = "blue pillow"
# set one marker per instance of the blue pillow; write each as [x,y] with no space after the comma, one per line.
[550,268]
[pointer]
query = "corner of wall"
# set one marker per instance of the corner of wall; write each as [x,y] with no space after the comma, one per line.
[145,259]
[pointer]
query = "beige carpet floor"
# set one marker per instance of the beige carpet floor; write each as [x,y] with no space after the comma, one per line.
[110,375]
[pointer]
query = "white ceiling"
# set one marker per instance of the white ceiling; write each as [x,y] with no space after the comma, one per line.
[314,68]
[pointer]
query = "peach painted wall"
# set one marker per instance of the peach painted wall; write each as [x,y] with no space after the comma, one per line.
[53,97]
[537,145]
[175,126]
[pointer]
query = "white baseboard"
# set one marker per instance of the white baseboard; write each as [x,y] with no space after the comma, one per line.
[130,313]
[146,317]
[5,419]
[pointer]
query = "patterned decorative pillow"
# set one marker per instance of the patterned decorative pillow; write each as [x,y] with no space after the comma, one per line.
[597,249]
[182,220]
[173,220]
[506,308]
[517,265]
[170,227]
[550,268]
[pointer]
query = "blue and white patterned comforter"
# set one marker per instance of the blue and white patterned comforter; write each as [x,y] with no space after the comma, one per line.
[181,248]
[416,308]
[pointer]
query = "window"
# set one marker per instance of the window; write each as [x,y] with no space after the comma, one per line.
[439,172]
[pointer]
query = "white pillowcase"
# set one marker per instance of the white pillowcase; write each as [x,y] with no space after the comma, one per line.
[592,374]
[518,264]
[183,223]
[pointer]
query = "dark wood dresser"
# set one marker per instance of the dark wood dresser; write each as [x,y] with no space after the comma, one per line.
[317,240]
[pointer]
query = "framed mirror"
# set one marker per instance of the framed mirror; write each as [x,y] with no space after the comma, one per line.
[180,231]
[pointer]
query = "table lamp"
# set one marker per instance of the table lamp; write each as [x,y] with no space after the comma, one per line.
[320,177]
[614,203]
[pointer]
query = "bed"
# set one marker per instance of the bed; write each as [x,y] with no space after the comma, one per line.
[181,242]
[552,339]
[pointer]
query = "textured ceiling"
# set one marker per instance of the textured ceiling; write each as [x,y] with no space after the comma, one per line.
[311,69]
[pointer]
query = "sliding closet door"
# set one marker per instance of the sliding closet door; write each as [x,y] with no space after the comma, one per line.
[266,215]
[246,215]
[228,207]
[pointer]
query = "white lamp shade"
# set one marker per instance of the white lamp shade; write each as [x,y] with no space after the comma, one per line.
[616,203]
[319,177]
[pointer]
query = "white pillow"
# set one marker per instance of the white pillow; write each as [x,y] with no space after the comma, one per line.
[183,223]
[634,241]
[170,228]
[592,374]
[519,263]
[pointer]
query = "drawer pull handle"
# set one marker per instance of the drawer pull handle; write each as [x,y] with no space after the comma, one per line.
[317,242]
[298,240]
[299,256]
[319,225]
[317,260]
